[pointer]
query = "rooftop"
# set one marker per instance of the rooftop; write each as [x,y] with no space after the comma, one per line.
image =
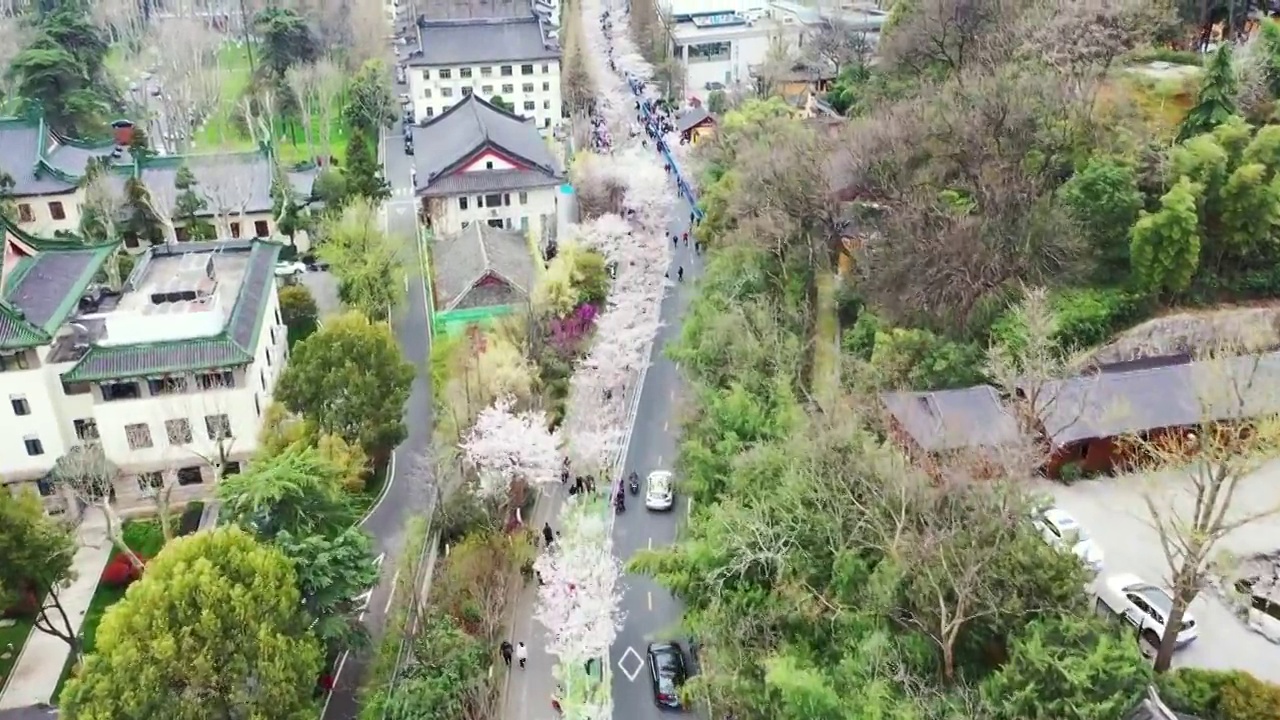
[460,9]
[465,260]
[466,130]
[726,26]
[953,419]
[691,118]
[185,307]
[472,41]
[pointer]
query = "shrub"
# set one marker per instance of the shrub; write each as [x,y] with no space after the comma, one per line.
[1220,695]
[1086,317]
[120,572]
[144,537]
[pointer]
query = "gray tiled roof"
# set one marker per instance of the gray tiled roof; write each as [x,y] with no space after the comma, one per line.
[237,344]
[230,183]
[475,183]
[953,419]
[19,157]
[30,712]
[1110,404]
[463,259]
[483,40]
[691,117]
[471,126]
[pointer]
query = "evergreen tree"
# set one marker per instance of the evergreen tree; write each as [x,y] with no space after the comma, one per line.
[1217,100]
[364,175]
[1164,246]
[141,221]
[189,207]
[140,146]
[284,204]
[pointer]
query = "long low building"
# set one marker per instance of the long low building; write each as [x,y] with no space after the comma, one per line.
[168,375]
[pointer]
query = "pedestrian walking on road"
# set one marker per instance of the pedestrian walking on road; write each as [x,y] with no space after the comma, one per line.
[547,535]
[675,240]
[522,654]
[506,652]
[680,273]
[685,238]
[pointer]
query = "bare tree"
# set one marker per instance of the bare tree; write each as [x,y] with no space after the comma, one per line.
[86,473]
[838,44]
[188,50]
[368,28]
[122,19]
[259,111]
[329,85]
[101,209]
[228,194]
[303,81]
[1203,477]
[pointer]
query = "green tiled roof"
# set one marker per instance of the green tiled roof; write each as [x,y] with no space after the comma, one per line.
[235,345]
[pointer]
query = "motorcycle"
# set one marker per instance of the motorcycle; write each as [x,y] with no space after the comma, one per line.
[620,502]
[633,484]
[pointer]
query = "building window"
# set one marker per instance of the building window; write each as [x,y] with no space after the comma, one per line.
[20,405]
[464,72]
[190,475]
[546,68]
[486,90]
[508,89]
[466,224]
[45,487]
[486,72]
[431,112]
[167,386]
[216,380]
[56,211]
[17,361]
[235,230]
[426,93]
[462,203]
[505,71]
[138,435]
[120,391]
[488,164]
[131,241]
[86,428]
[446,92]
[268,357]
[34,446]
[527,88]
[149,483]
[75,388]
[546,87]
[217,426]
[25,214]
[526,69]
[546,104]
[230,467]
[506,199]
[524,198]
[546,122]
[530,105]
[426,74]
[524,223]
[446,74]
[495,224]
[260,229]
[178,430]
[466,91]
[493,200]
[181,234]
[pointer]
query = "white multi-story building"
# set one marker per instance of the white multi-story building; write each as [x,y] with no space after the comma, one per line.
[515,59]
[480,164]
[169,377]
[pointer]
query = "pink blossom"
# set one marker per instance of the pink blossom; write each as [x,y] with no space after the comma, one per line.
[507,447]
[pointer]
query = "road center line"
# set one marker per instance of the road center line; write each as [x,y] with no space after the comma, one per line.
[650,543]
[650,601]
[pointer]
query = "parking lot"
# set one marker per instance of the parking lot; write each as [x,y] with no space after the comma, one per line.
[1114,512]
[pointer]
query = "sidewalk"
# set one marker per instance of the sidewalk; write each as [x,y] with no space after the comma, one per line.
[39,667]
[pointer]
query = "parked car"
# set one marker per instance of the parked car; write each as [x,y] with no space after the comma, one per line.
[289,269]
[408,146]
[668,673]
[659,493]
[314,264]
[1144,606]
[1062,531]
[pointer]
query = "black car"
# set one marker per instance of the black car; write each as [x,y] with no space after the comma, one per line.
[408,146]
[667,669]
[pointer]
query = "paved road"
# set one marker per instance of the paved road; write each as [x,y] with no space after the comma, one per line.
[410,492]
[651,612]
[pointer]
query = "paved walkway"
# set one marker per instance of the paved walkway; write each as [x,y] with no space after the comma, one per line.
[35,676]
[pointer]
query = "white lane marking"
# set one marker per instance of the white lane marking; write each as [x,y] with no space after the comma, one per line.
[391,595]
[650,543]
[386,488]
[650,601]
[631,674]
[688,509]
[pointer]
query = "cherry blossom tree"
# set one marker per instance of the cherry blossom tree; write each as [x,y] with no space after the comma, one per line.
[579,598]
[511,450]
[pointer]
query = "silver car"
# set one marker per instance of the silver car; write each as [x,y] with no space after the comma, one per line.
[659,491]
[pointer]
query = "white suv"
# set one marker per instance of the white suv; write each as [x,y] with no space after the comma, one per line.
[1064,532]
[1144,606]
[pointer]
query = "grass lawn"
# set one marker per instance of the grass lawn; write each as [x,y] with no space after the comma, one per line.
[144,538]
[12,639]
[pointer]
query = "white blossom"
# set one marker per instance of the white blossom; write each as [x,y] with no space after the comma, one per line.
[579,598]
[507,447]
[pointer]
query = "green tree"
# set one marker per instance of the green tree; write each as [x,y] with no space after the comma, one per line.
[189,207]
[214,628]
[1164,246]
[140,148]
[370,106]
[61,70]
[37,552]
[8,208]
[297,491]
[352,381]
[1103,199]
[334,573]
[1069,668]
[1217,100]
[448,670]
[142,221]
[299,312]
[498,102]
[330,188]
[1269,47]
[717,102]
[364,259]
[288,211]
[285,39]
[363,172]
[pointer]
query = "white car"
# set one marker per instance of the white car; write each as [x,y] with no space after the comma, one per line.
[1062,531]
[289,269]
[659,493]
[1145,606]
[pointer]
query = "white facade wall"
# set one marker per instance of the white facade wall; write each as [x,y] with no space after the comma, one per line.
[44,211]
[535,94]
[538,207]
[54,414]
